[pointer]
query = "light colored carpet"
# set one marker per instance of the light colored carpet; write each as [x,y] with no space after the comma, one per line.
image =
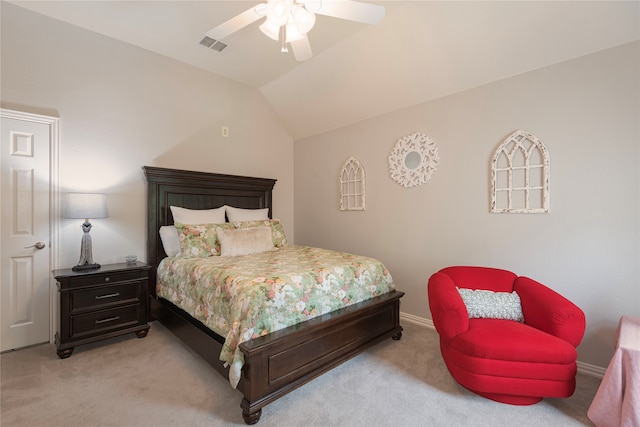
[157,381]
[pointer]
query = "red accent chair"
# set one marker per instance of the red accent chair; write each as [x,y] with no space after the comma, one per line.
[513,362]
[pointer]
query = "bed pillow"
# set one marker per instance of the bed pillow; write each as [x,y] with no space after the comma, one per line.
[245,241]
[239,214]
[492,305]
[277,232]
[198,216]
[170,240]
[199,240]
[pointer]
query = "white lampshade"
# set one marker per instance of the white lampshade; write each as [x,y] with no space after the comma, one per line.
[86,206]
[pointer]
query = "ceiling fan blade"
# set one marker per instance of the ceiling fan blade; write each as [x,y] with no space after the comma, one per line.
[366,13]
[301,49]
[234,24]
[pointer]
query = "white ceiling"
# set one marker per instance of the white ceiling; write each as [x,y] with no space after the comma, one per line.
[421,50]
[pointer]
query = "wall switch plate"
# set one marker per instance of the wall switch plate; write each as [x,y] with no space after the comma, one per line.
[225,131]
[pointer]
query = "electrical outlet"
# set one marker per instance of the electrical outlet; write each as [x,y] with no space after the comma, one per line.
[225,131]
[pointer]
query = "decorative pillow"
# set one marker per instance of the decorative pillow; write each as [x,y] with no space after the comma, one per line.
[277,232]
[239,214]
[170,240]
[197,216]
[199,240]
[245,241]
[492,305]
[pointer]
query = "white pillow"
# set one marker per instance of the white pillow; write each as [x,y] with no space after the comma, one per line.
[170,240]
[198,216]
[245,241]
[239,214]
[485,304]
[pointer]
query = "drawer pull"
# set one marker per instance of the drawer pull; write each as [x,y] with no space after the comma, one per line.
[106,279]
[115,294]
[109,319]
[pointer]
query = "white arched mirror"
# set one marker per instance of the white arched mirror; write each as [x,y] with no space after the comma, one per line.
[352,186]
[413,160]
[520,175]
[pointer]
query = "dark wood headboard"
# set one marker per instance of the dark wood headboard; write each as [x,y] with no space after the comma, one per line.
[196,190]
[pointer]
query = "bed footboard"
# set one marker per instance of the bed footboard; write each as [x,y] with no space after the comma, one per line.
[282,361]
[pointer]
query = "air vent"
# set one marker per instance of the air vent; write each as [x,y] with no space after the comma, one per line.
[212,44]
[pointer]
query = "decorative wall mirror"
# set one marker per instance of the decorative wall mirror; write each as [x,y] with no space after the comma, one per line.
[413,160]
[352,186]
[520,175]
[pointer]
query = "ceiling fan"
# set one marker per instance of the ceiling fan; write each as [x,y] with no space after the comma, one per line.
[289,21]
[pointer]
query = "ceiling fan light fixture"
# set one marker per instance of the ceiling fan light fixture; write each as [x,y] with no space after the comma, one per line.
[270,30]
[292,34]
[303,19]
[289,21]
[278,11]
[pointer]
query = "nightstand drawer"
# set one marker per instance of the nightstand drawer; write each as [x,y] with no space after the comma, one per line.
[105,296]
[99,279]
[105,320]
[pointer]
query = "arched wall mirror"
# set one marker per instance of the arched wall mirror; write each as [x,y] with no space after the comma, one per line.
[520,171]
[352,186]
[413,160]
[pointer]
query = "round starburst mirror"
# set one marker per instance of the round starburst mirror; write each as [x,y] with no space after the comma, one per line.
[413,160]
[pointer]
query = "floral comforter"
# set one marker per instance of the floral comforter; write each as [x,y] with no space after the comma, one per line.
[245,297]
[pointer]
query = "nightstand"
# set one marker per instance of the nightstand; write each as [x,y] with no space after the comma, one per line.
[100,304]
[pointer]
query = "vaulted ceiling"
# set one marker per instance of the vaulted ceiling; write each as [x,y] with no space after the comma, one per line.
[421,50]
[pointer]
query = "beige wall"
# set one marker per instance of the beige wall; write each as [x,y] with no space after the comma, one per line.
[586,112]
[120,108]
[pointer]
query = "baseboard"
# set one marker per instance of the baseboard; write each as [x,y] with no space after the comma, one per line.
[583,368]
[591,370]
[421,321]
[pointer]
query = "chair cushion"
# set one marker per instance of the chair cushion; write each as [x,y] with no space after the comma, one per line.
[512,341]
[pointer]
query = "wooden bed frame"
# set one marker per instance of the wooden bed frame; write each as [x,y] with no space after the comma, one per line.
[282,361]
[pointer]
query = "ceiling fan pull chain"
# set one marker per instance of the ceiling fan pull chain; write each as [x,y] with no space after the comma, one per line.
[283,37]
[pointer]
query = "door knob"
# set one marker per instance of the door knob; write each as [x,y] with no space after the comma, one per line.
[37,245]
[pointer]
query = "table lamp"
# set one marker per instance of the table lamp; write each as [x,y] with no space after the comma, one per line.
[85,206]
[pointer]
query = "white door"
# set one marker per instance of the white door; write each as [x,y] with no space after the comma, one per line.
[25,243]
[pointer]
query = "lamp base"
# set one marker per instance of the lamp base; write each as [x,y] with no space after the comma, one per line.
[85,267]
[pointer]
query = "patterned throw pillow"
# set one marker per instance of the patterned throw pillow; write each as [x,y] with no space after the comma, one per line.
[199,240]
[492,305]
